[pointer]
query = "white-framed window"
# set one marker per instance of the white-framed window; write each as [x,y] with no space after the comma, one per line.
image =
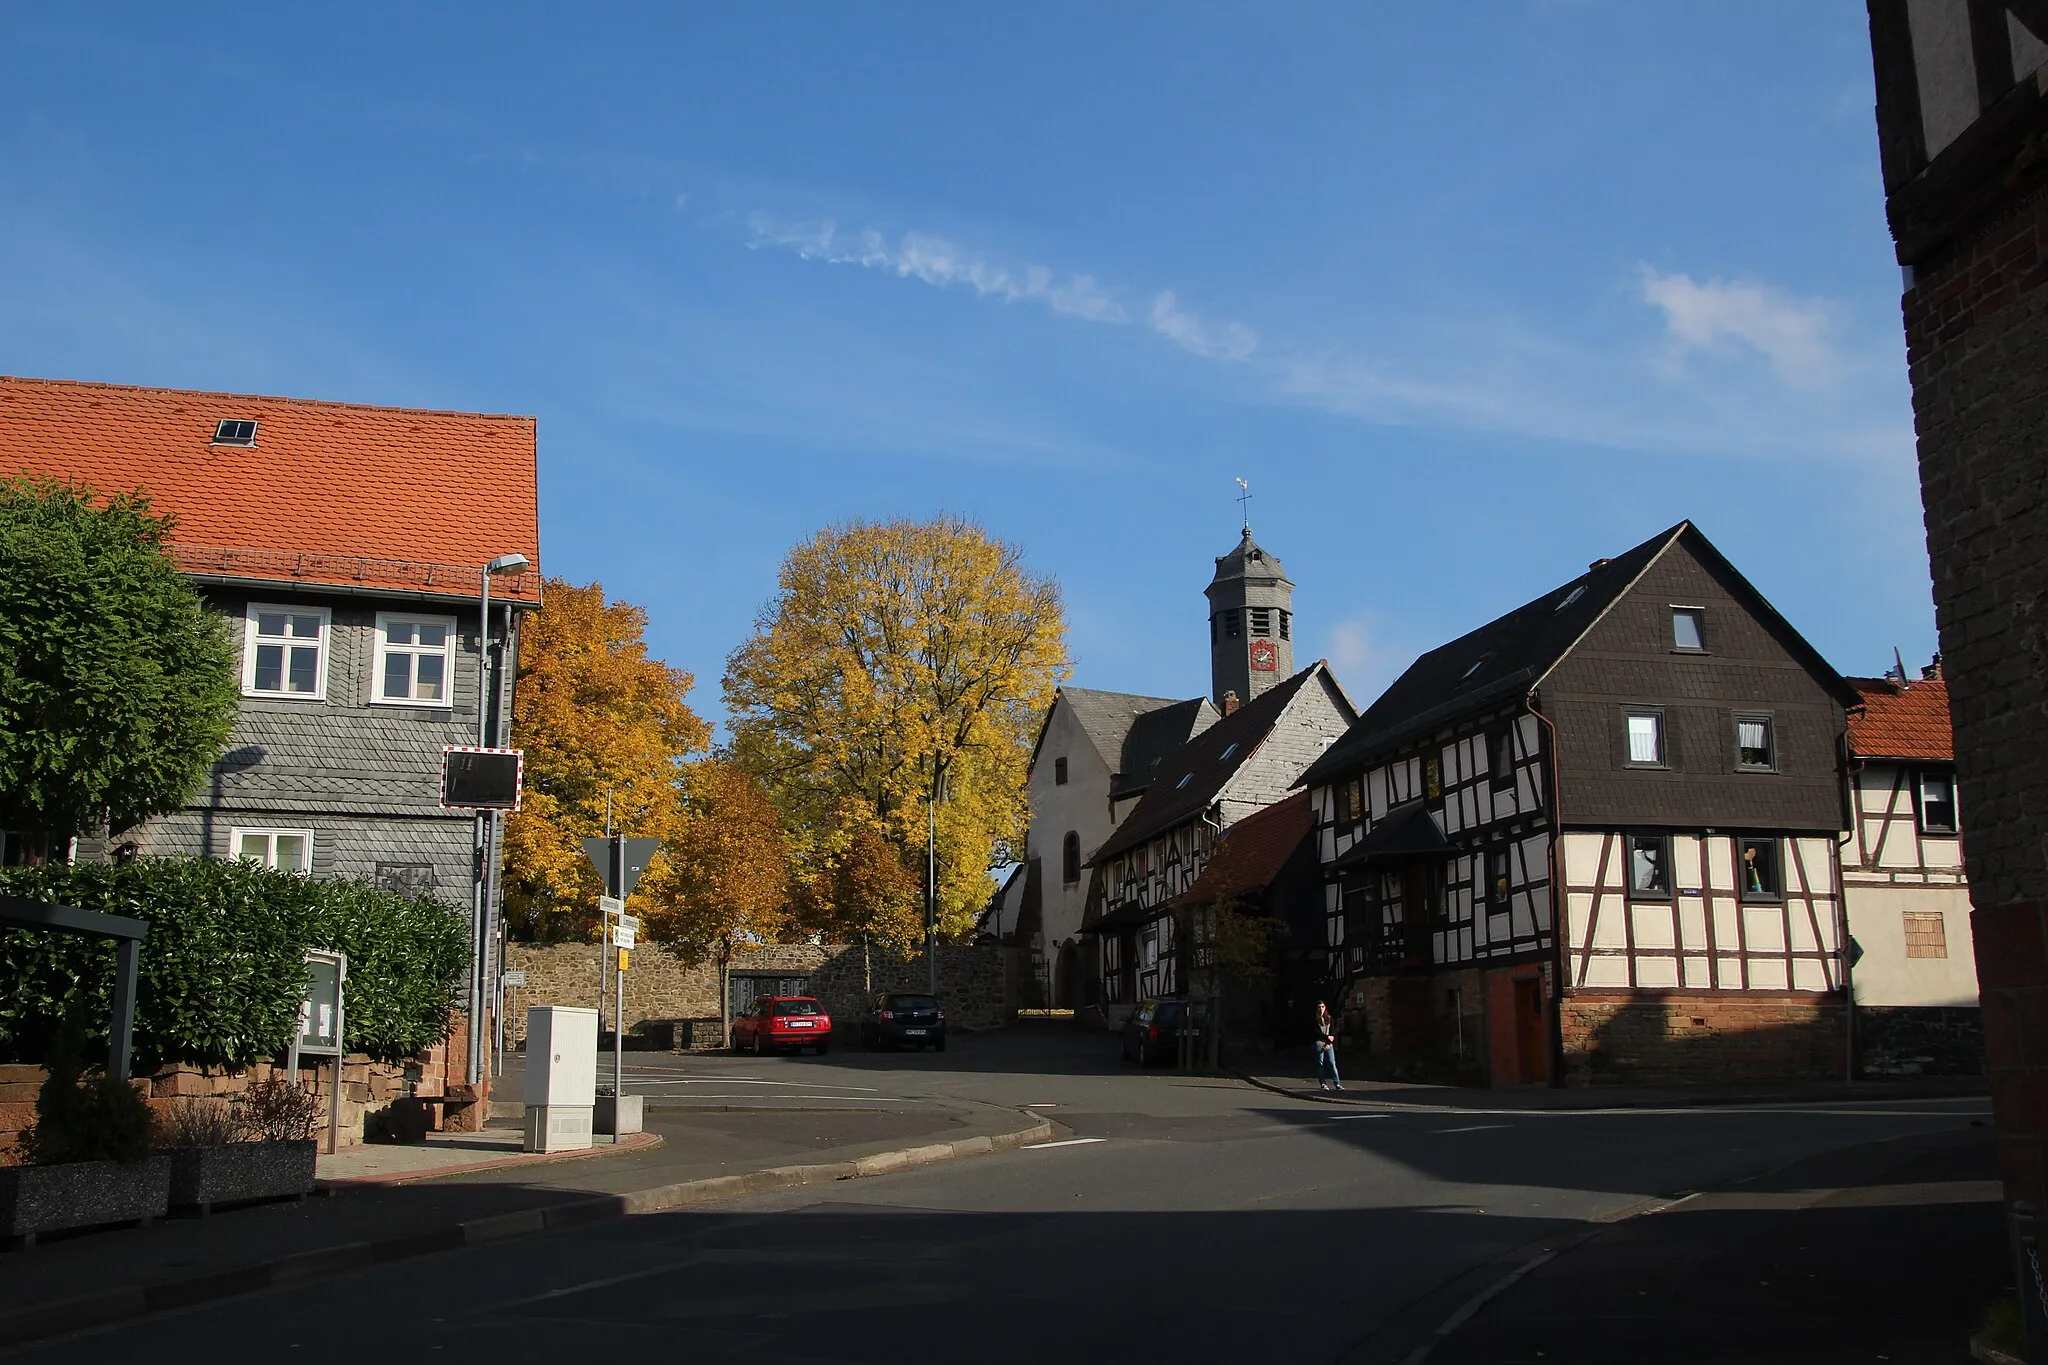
[284,850]
[415,660]
[1756,744]
[284,651]
[1645,739]
[1937,801]
[1689,630]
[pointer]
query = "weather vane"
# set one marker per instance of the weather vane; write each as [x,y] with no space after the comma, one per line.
[1244,498]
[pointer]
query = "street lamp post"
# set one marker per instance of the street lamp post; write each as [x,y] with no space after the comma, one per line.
[485,828]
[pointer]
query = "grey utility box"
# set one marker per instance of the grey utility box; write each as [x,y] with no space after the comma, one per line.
[561,1077]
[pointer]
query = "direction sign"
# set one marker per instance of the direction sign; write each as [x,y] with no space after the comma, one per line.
[623,938]
[629,923]
[610,905]
[513,976]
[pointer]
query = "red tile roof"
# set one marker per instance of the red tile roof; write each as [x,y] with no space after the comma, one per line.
[1252,852]
[1902,722]
[336,493]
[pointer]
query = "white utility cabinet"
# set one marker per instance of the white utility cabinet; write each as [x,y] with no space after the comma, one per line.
[561,1077]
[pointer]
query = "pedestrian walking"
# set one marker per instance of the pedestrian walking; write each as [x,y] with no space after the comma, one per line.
[1326,1050]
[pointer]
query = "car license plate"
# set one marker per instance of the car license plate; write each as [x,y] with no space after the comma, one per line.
[801,1023]
[913,1033]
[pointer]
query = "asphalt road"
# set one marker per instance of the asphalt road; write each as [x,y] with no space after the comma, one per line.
[1177,1218]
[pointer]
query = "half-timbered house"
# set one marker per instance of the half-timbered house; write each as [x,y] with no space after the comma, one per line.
[1596,837]
[1243,763]
[1913,971]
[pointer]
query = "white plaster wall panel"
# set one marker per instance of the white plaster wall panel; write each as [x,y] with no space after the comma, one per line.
[1656,972]
[1945,854]
[1720,864]
[1763,928]
[1692,924]
[1699,973]
[1947,74]
[1728,973]
[1803,937]
[1817,863]
[1607,971]
[1653,926]
[1686,866]
[1768,974]
[1581,858]
[2029,53]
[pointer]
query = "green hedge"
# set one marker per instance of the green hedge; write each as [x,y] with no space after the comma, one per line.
[224,964]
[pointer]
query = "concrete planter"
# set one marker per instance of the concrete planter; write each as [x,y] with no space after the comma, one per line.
[631,1109]
[82,1194]
[235,1172]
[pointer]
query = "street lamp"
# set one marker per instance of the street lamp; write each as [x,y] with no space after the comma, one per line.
[486,821]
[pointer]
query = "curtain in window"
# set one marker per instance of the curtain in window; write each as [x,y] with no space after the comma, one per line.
[1753,738]
[1643,745]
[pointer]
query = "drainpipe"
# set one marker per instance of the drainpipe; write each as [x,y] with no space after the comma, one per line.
[1555,861]
[1851,768]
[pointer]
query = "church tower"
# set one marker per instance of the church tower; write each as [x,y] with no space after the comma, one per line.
[1251,623]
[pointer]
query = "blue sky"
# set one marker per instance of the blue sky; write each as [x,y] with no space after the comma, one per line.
[1471,293]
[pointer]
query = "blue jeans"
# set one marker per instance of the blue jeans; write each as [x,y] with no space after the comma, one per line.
[1326,1064]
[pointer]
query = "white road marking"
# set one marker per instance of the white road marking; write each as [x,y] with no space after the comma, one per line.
[1067,1142]
[1475,1128]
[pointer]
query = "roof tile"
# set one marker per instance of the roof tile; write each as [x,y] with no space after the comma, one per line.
[1895,721]
[330,492]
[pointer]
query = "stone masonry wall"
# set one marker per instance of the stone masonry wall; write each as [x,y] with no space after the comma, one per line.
[662,989]
[1977,345]
[1665,1037]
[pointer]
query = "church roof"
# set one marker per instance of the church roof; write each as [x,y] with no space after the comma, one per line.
[1248,560]
[1107,718]
[1155,735]
[1189,781]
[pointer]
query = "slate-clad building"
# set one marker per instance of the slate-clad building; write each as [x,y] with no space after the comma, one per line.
[1596,838]
[1245,762]
[343,545]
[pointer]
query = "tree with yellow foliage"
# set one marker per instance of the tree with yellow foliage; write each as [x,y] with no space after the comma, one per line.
[860,889]
[726,882]
[902,663]
[602,724]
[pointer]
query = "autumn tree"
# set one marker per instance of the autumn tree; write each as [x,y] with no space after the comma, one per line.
[860,890]
[603,726]
[726,883]
[902,663]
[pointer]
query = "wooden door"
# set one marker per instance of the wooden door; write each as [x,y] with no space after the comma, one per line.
[1532,1039]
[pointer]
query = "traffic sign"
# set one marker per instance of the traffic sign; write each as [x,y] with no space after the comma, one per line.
[624,958]
[622,938]
[630,923]
[481,779]
[513,976]
[610,905]
[619,860]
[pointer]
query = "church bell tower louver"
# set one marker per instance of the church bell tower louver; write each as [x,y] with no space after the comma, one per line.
[1251,623]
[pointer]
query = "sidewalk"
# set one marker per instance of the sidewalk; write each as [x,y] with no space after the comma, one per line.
[408,1209]
[1888,1252]
[1412,1094]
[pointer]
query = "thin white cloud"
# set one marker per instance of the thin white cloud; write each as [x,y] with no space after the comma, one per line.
[1363,663]
[1810,397]
[942,264]
[1793,334]
[1232,341]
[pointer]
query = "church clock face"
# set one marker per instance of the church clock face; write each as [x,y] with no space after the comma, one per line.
[1265,658]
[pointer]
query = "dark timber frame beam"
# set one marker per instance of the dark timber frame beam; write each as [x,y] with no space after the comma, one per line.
[127,935]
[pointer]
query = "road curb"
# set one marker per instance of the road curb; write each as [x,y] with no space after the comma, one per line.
[1361,1098]
[633,1142]
[19,1327]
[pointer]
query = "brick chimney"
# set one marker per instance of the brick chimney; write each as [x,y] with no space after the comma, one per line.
[1230,703]
[1933,668]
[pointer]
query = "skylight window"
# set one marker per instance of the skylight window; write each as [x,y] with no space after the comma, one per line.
[1477,664]
[1574,595]
[1185,778]
[235,431]
[1228,750]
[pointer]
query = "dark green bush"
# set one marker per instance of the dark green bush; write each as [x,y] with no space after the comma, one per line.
[103,1118]
[223,967]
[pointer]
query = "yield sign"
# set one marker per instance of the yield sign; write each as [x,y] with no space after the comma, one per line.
[620,861]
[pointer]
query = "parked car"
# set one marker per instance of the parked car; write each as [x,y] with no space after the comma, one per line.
[783,1021]
[897,1018]
[1151,1033]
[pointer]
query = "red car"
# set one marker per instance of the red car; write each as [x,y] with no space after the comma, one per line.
[779,1021]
